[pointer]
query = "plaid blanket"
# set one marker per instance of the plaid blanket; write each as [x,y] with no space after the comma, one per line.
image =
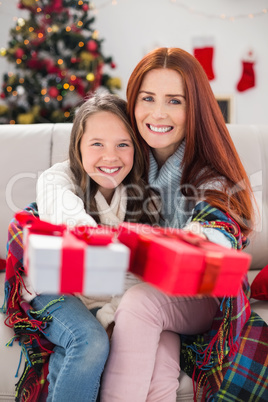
[231,360]
[28,328]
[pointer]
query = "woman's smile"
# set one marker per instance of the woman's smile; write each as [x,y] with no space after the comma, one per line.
[159,129]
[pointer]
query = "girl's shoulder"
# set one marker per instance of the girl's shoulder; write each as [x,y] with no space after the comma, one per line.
[63,167]
[59,173]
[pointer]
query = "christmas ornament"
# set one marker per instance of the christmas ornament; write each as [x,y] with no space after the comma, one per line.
[21,22]
[36,110]
[247,79]
[51,68]
[53,92]
[98,76]
[19,53]
[114,83]
[86,56]
[55,6]
[58,115]
[90,77]
[85,7]
[204,52]
[35,64]
[95,34]
[20,90]
[12,79]
[55,28]
[25,118]
[3,109]
[92,46]
[80,87]
[28,3]
[3,52]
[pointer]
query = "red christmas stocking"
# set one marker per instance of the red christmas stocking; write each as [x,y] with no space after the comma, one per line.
[203,52]
[247,80]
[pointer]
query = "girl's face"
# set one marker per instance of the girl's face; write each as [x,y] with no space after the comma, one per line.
[107,151]
[160,111]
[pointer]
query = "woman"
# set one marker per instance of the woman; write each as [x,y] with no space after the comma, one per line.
[195,167]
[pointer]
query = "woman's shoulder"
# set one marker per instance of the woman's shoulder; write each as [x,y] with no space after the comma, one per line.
[215,183]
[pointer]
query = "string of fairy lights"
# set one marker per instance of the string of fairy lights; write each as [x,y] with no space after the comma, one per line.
[95,8]
[192,10]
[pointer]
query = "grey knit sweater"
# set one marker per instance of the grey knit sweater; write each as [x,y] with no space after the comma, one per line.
[177,210]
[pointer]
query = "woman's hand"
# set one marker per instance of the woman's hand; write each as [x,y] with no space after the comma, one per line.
[196,228]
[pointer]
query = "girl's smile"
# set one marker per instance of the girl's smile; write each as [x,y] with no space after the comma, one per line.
[109,171]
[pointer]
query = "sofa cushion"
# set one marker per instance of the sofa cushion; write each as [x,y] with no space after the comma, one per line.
[24,153]
[251,142]
[60,142]
[259,287]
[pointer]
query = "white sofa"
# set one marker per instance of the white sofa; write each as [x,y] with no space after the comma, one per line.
[27,150]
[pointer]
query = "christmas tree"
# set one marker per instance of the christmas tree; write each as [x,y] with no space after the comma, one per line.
[58,62]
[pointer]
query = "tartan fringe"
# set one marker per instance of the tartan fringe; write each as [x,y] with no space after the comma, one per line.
[206,356]
[7,291]
[28,387]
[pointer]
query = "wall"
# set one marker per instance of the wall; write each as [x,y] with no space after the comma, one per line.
[130,28]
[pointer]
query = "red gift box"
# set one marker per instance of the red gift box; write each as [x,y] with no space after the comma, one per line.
[182,263]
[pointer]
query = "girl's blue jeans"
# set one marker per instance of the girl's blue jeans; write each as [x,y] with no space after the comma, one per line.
[80,352]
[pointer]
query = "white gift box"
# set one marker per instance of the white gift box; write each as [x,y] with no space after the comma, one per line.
[103,271]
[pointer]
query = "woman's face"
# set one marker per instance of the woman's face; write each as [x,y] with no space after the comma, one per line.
[160,111]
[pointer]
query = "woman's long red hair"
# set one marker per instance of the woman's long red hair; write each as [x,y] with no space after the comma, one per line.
[210,152]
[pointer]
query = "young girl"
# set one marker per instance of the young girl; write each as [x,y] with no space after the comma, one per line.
[111,188]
